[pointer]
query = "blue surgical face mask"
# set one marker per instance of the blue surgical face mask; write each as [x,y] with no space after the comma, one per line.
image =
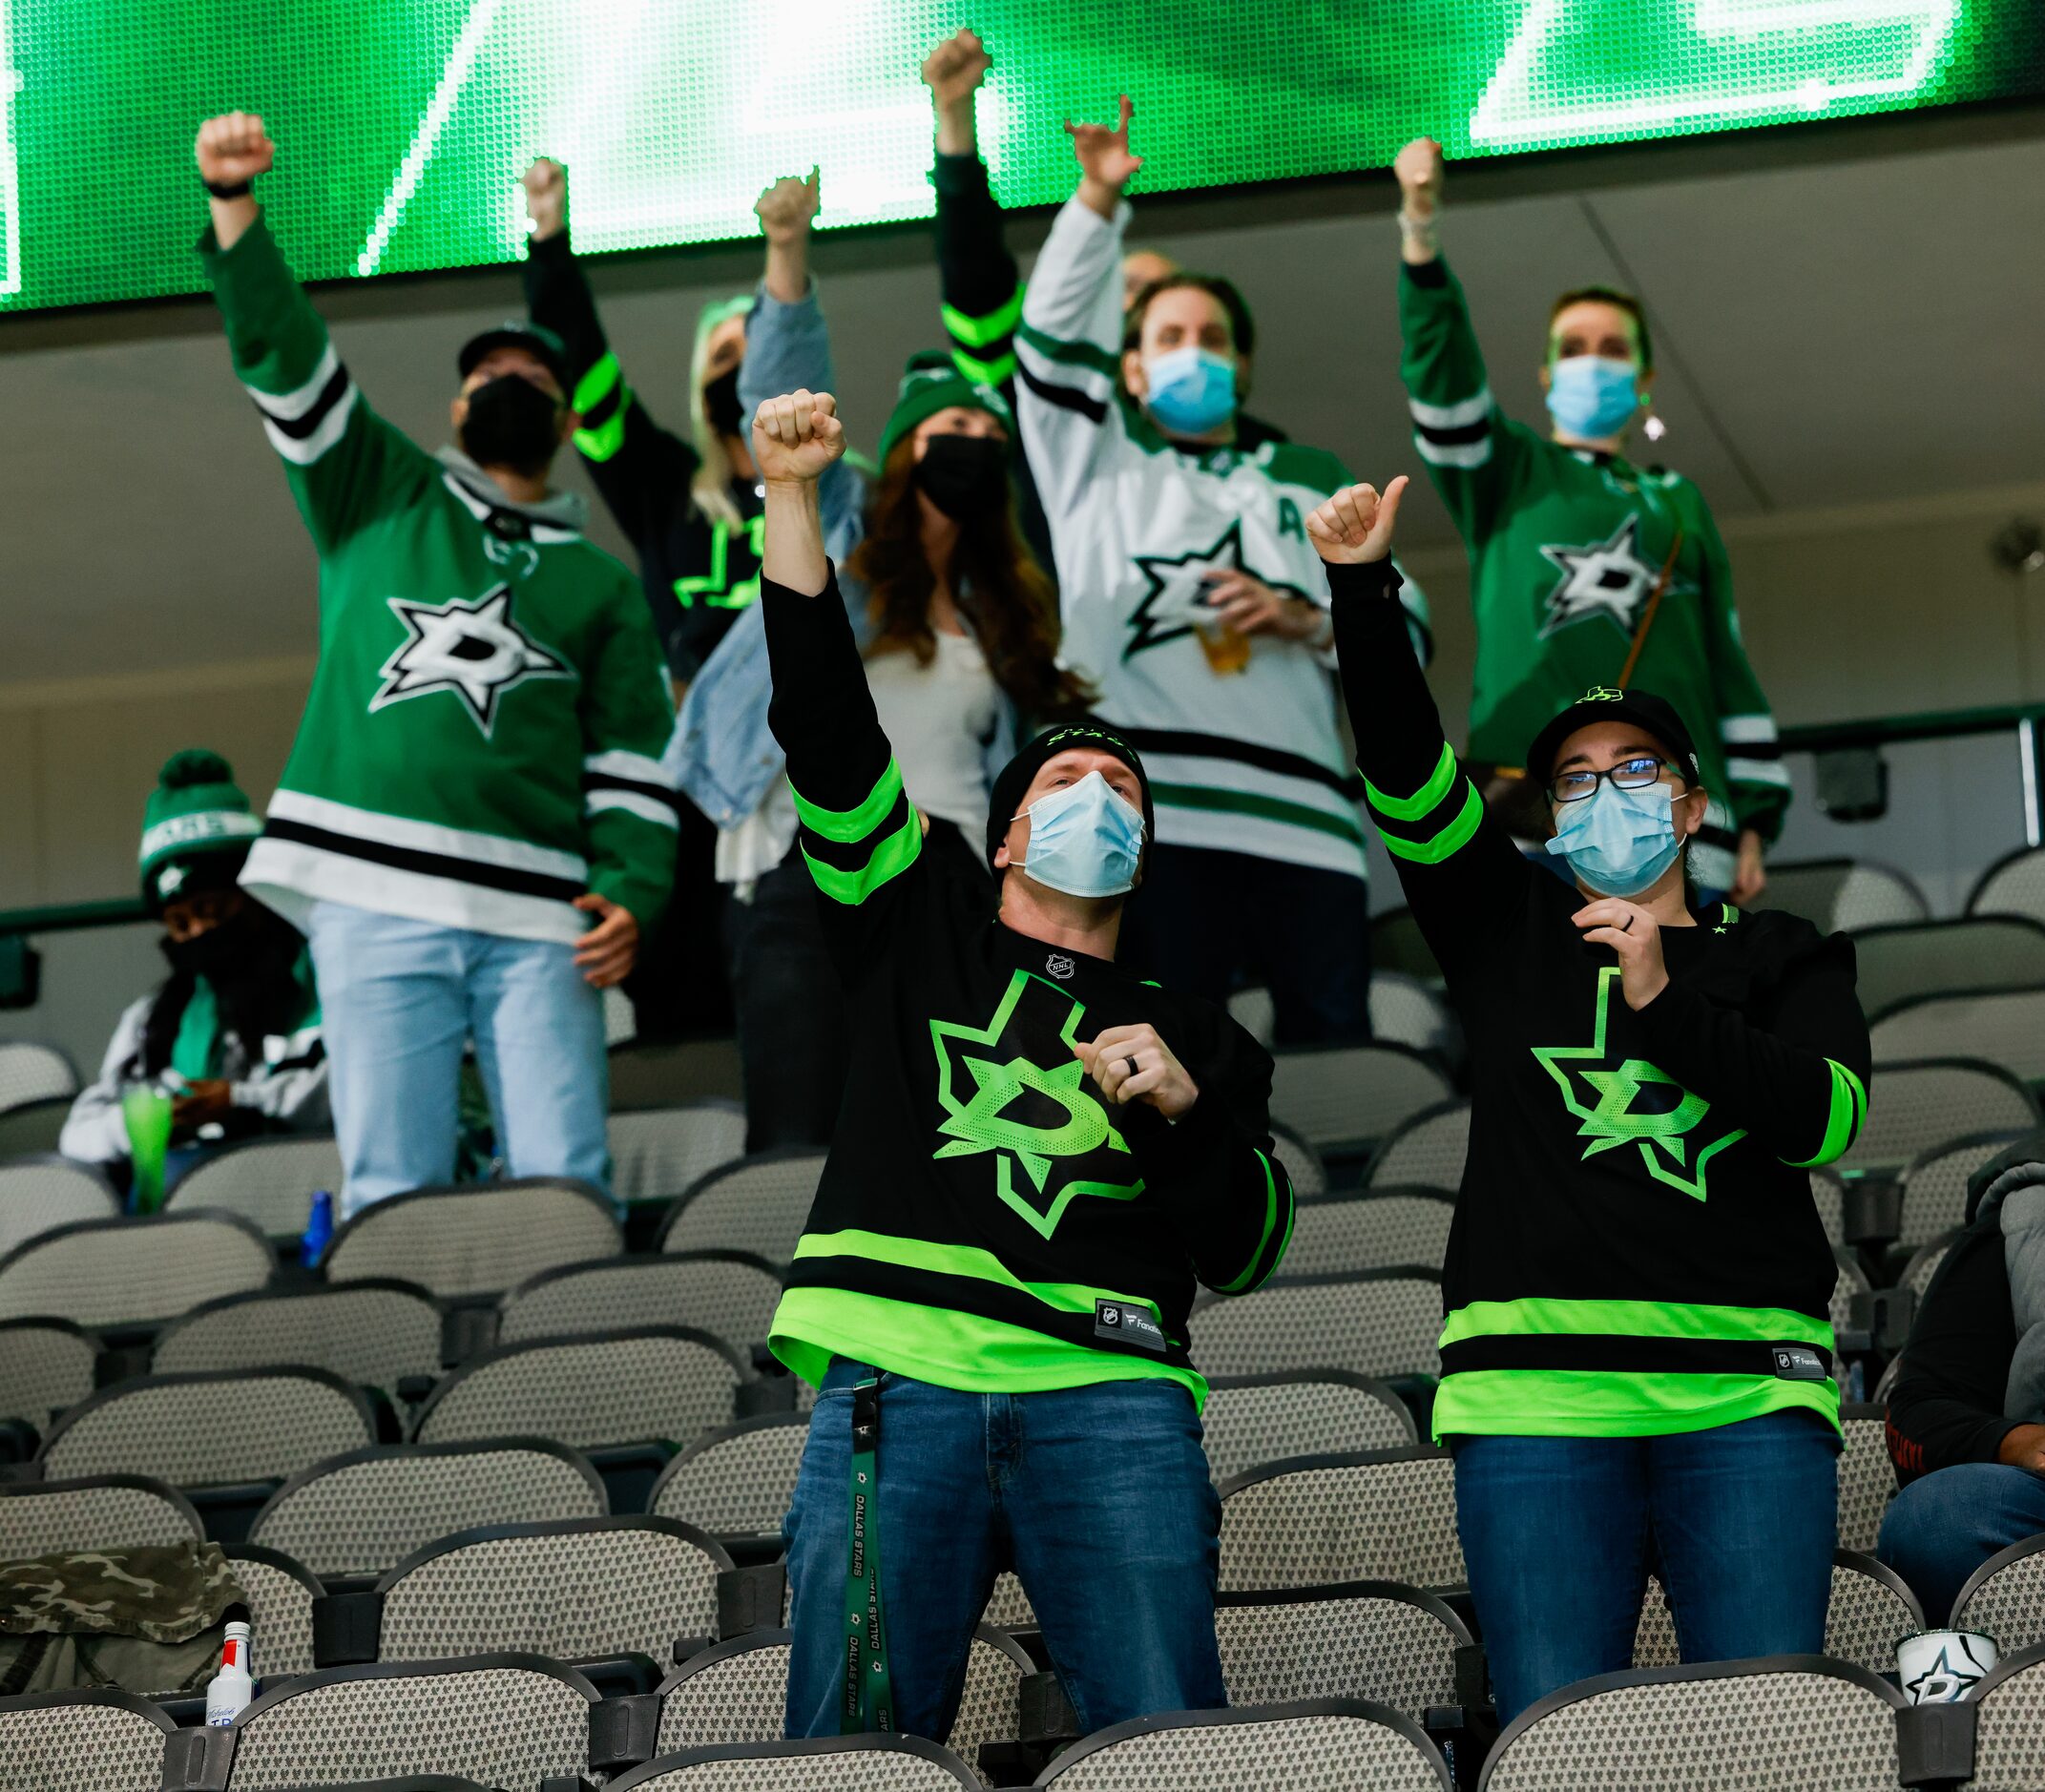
[1084,840]
[1192,390]
[1618,842]
[1593,395]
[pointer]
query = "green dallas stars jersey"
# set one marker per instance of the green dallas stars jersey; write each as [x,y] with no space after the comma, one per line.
[483,738]
[983,1222]
[1565,547]
[1635,1249]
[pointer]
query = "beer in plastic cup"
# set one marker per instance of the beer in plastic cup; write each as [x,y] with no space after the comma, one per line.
[1226,649]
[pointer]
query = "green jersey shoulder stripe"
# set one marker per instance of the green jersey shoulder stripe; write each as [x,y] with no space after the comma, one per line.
[1843,1118]
[892,856]
[996,372]
[973,332]
[1411,808]
[1257,1270]
[848,827]
[1447,841]
[601,400]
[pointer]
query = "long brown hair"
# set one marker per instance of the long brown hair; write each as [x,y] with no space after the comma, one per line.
[995,579]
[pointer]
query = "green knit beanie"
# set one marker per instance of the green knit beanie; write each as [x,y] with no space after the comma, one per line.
[931,383]
[195,830]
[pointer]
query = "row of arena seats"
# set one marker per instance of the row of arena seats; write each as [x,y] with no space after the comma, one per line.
[523,1722]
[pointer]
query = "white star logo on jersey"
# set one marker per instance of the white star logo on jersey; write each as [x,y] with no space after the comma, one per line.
[1607,579]
[1177,598]
[474,649]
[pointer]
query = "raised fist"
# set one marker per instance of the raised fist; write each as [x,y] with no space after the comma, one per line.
[1103,154]
[233,148]
[546,185]
[955,69]
[1356,524]
[795,438]
[1419,168]
[786,209]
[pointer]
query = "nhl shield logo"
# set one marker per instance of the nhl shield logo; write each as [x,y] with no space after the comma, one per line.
[1059,965]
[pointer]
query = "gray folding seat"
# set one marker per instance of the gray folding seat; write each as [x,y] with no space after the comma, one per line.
[82,1741]
[1344,1097]
[1254,1419]
[1925,1261]
[2005,1596]
[1869,1609]
[375,1333]
[1911,959]
[30,1071]
[1428,1151]
[759,1205]
[42,1192]
[1867,1477]
[1302,1163]
[1379,1323]
[280,1596]
[1369,1640]
[1935,1186]
[46,1364]
[831,1763]
[270,1182]
[2015,884]
[125,1272]
[728,1294]
[1843,894]
[475,1238]
[107,1512]
[1316,1521]
[737,1480]
[656,1153]
[1385,1228]
[1924,1104]
[1829,1197]
[2009,1724]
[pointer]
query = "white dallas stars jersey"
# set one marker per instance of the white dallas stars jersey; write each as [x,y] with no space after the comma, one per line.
[1250,760]
[483,738]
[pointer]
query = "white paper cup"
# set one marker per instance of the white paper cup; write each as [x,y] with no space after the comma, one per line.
[1938,1666]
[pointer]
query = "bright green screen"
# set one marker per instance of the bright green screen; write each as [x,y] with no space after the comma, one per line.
[404,124]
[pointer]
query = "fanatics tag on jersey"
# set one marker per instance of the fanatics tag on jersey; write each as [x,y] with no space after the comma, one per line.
[1132,1324]
[1799,1362]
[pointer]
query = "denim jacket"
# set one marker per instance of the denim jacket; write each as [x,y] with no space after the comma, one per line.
[721,752]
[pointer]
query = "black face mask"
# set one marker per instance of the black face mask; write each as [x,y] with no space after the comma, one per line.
[510,422]
[217,954]
[720,403]
[966,476]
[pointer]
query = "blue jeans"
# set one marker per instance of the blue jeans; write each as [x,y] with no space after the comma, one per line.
[1946,1524]
[1559,1534]
[1097,1497]
[399,999]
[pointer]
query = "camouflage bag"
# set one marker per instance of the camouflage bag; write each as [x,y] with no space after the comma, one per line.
[143,1620]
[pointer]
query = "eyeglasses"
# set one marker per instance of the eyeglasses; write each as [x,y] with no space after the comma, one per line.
[1634,774]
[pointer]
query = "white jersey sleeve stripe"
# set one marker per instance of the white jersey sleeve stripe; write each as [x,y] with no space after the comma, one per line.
[646,808]
[1746,729]
[301,451]
[640,768]
[289,407]
[1453,454]
[1757,771]
[1451,416]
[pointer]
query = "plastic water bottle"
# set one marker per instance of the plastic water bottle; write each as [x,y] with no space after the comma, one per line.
[229,1691]
[319,1228]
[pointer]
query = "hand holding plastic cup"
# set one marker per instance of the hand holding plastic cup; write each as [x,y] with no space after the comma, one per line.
[146,1108]
[1936,1667]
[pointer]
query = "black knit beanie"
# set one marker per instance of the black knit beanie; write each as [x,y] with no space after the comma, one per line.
[1082,731]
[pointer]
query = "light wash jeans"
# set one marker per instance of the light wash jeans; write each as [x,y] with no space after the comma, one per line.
[398,1001]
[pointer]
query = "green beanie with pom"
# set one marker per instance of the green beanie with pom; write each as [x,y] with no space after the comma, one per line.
[195,830]
[930,383]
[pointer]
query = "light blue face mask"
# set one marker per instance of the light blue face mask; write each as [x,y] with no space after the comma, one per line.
[1192,390]
[1593,395]
[1084,840]
[1618,842]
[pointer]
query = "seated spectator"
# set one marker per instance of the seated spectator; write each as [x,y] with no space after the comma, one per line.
[1967,1416]
[233,1037]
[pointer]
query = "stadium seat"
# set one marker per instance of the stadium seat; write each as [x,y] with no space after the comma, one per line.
[1894,965]
[280,1594]
[121,1272]
[831,1763]
[736,1480]
[656,1384]
[270,1182]
[34,1128]
[579,1589]
[1916,1107]
[620,1020]
[1315,1521]
[1382,1229]
[1935,1186]
[1317,1745]
[2005,1596]
[2015,884]
[105,1512]
[46,1364]
[1397,944]
[2010,1723]
[726,1292]
[475,1239]
[1867,1476]
[1406,1010]
[1843,894]
[221,1430]
[656,1153]
[1364,1640]
[39,1194]
[30,1071]
[1782,1721]
[759,1205]
[1384,1322]
[647,1076]
[1342,1098]
[1871,1607]
[1302,1163]
[1252,1009]
[737,1692]
[82,1741]
[1886,1385]
[365,1511]
[1254,1419]
[1426,1152]
[1828,1196]
[2005,1026]
[1849,1280]
[1925,1261]
[378,1332]
[505,1721]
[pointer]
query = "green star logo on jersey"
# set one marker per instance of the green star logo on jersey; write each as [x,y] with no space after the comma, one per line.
[1174,597]
[1033,1118]
[1633,1103]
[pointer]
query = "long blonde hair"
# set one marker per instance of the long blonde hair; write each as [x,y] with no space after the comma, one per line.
[711,487]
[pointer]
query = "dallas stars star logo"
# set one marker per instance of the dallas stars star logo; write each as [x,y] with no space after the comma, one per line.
[474,650]
[1932,1680]
[996,1098]
[1634,1104]
[1176,590]
[1608,578]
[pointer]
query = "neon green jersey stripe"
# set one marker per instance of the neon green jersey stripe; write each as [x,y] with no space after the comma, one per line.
[598,383]
[892,857]
[1411,808]
[848,827]
[984,372]
[604,441]
[1071,354]
[1583,1402]
[1264,1238]
[1445,845]
[1541,1315]
[977,332]
[1249,803]
[1843,1118]
[958,1260]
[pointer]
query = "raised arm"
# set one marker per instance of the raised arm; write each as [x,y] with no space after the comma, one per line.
[979,282]
[342,462]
